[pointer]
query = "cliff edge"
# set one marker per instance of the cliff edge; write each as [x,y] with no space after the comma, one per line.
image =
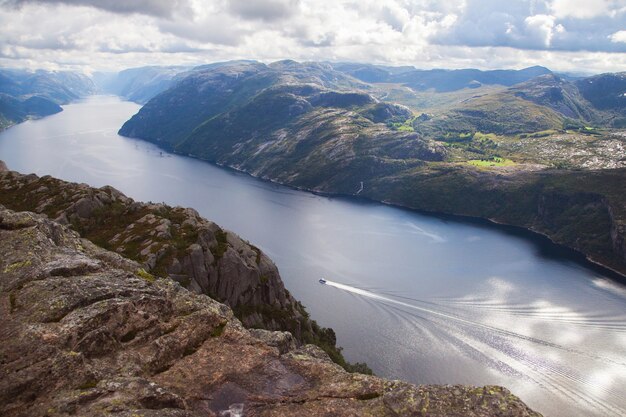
[177,243]
[86,331]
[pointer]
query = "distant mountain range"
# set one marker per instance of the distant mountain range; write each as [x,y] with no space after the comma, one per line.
[31,94]
[440,80]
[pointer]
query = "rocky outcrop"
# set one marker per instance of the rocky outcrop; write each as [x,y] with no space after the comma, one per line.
[87,332]
[172,242]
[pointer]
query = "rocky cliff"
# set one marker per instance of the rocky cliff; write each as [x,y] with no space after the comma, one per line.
[177,243]
[87,332]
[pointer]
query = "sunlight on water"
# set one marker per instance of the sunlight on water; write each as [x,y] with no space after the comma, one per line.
[502,340]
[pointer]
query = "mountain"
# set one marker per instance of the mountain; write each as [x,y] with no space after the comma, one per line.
[14,110]
[238,114]
[25,94]
[60,87]
[559,95]
[607,92]
[88,332]
[138,84]
[547,102]
[440,80]
[494,151]
[143,83]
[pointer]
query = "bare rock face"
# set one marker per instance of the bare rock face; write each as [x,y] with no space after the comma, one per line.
[168,241]
[87,332]
[3,166]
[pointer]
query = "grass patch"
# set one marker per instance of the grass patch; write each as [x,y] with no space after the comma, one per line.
[406,126]
[492,162]
[142,273]
[17,265]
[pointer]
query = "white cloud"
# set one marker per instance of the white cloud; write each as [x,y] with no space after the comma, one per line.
[161,8]
[542,28]
[423,33]
[619,36]
[268,10]
[583,9]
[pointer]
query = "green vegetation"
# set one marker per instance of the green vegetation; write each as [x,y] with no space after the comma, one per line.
[492,162]
[142,273]
[405,126]
[218,330]
[17,265]
[12,301]
[88,384]
[222,244]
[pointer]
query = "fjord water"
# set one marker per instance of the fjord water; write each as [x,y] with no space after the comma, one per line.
[421,298]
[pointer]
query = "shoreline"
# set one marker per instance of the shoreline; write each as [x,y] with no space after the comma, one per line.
[539,237]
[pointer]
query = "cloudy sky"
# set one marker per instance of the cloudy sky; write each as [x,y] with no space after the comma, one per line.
[564,35]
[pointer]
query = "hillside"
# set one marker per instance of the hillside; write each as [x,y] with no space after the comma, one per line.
[27,95]
[312,127]
[14,110]
[88,332]
[607,92]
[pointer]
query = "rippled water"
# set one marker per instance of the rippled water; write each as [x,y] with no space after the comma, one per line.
[422,298]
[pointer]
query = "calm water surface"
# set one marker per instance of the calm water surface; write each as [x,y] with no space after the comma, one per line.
[417,297]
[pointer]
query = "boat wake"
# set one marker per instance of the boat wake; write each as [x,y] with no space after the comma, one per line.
[544,362]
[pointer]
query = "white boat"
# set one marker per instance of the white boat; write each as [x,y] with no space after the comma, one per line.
[322,281]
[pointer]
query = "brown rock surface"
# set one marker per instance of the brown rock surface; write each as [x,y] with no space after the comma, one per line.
[87,332]
[168,241]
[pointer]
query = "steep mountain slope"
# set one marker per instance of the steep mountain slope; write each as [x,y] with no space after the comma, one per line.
[25,94]
[559,95]
[87,332]
[607,92]
[309,114]
[543,103]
